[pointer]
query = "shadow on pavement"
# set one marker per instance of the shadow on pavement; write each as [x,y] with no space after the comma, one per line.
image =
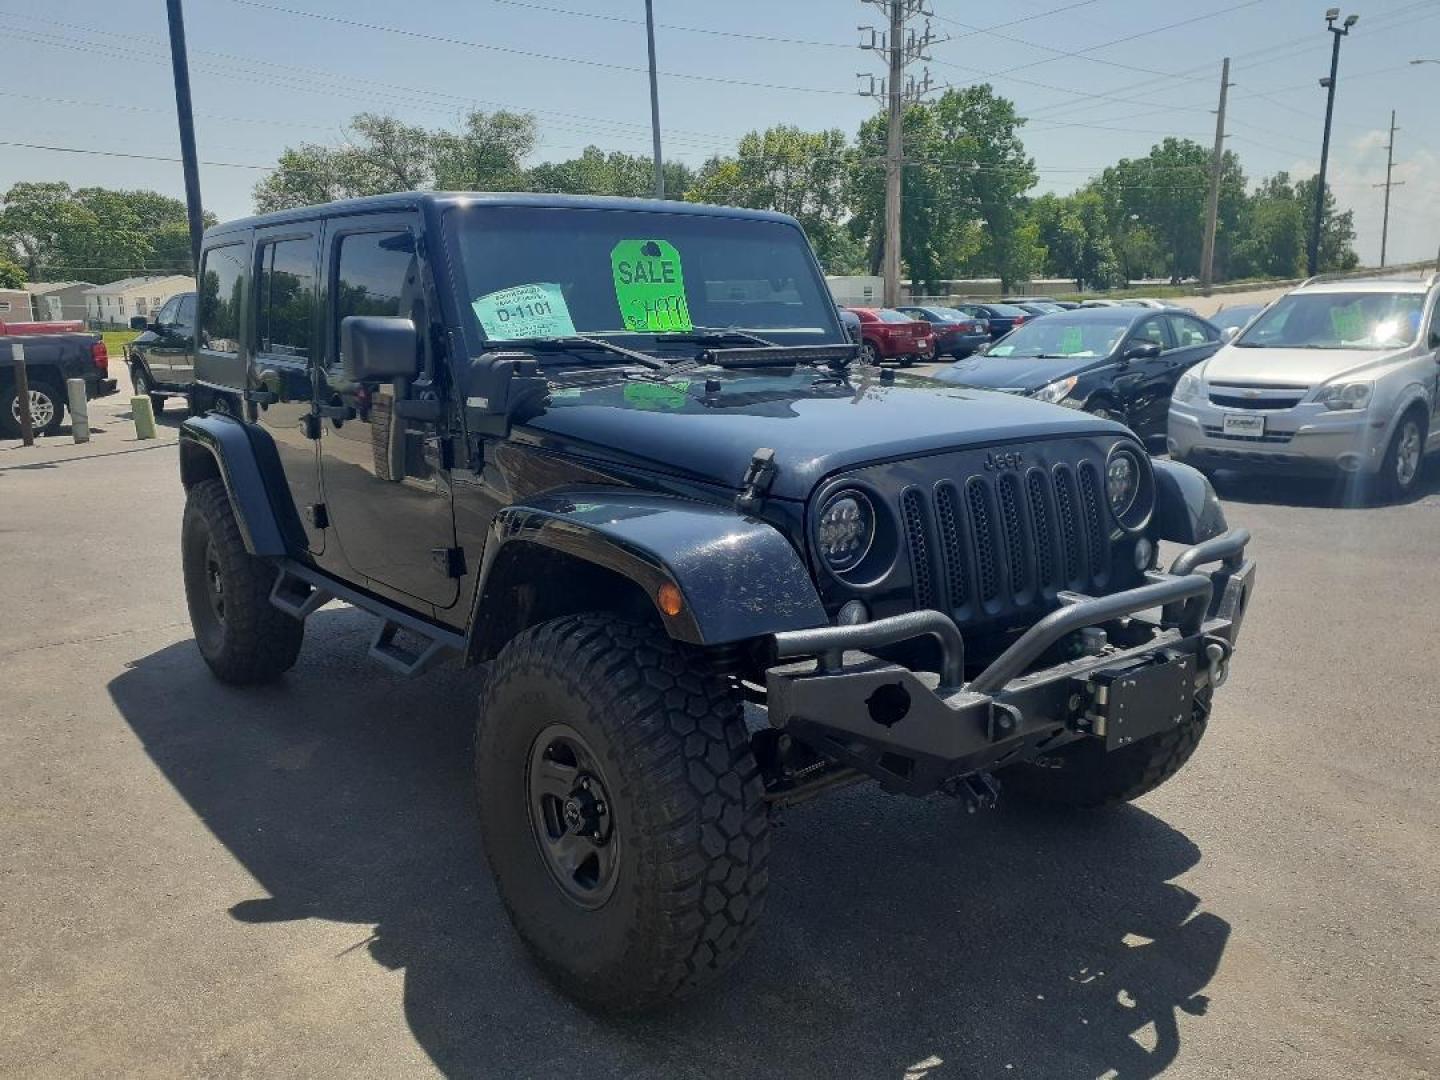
[1307,491]
[901,937]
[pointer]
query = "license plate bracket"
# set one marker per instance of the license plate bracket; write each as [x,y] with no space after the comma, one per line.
[1141,699]
[1238,424]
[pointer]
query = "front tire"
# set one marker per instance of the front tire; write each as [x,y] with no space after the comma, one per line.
[621,809]
[1404,459]
[1084,775]
[243,638]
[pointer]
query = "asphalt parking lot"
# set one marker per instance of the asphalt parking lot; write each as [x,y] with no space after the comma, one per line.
[196,880]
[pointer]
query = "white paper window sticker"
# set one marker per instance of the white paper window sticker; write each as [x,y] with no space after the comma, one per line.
[524,311]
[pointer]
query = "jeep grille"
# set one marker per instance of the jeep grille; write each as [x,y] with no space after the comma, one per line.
[992,543]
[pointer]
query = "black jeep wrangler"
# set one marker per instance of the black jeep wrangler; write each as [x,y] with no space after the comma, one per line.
[618,455]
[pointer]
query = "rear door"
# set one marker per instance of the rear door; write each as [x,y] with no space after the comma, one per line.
[284,335]
[386,489]
[159,344]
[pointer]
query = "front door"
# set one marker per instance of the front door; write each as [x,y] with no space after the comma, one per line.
[285,331]
[163,344]
[385,488]
[1141,382]
[182,359]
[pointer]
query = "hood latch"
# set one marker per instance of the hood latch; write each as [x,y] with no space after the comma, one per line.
[758,477]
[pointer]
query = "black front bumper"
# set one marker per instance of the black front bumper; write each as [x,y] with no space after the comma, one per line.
[915,731]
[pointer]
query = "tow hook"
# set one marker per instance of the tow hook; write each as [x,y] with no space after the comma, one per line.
[978,791]
[1217,659]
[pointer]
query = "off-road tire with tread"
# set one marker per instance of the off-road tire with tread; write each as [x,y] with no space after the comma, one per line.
[255,642]
[685,790]
[1085,775]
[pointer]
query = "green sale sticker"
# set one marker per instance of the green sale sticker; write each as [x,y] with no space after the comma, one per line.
[1072,341]
[650,285]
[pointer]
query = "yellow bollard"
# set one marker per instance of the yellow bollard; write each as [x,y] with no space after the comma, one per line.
[144,415]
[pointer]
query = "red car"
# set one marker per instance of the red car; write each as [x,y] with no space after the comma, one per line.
[886,334]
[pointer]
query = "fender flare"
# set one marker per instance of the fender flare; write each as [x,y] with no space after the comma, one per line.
[738,577]
[1413,394]
[245,459]
[1187,510]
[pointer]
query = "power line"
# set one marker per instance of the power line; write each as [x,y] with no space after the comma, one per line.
[122,154]
[527,53]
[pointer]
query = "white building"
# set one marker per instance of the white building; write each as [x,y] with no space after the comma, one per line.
[115,304]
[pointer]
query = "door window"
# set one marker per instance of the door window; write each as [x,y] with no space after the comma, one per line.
[167,315]
[1151,330]
[185,317]
[1189,332]
[285,298]
[222,281]
[376,274]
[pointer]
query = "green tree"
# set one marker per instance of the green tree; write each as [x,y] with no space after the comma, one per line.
[385,155]
[962,190]
[801,173]
[1156,207]
[1075,234]
[99,234]
[12,274]
[1272,240]
[1337,228]
[595,172]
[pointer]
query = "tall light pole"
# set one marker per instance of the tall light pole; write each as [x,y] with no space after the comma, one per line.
[180,66]
[654,102]
[1337,32]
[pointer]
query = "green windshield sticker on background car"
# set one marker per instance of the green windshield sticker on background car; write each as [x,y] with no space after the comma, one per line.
[1001,350]
[524,311]
[1348,323]
[1072,341]
[657,396]
[650,285]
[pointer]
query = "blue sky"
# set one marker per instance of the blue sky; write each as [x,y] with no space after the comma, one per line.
[96,75]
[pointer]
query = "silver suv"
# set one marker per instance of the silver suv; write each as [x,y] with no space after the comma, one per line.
[1335,376]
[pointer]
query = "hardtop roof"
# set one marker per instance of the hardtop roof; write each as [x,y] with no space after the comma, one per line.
[409,200]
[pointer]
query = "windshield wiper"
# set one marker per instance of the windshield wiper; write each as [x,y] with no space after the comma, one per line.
[713,335]
[580,341]
[1250,345]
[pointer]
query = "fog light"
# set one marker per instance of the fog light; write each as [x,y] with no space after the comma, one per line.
[853,614]
[1144,553]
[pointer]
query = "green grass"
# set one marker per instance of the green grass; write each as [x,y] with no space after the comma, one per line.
[116,340]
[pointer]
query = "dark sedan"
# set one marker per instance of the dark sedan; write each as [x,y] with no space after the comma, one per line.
[956,333]
[1002,317]
[1120,363]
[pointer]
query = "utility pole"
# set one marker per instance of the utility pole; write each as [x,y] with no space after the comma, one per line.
[1337,32]
[654,102]
[1212,209]
[901,46]
[180,65]
[1389,164]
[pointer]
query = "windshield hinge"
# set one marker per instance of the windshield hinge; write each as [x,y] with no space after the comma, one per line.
[758,477]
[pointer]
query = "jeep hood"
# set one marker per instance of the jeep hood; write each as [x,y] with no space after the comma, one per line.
[815,423]
[1290,367]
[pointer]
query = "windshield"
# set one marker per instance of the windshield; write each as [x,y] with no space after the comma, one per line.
[1006,311]
[536,272]
[1337,320]
[887,315]
[1056,335]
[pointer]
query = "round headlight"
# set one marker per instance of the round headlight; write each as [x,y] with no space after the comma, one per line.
[1122,482]
[846,529]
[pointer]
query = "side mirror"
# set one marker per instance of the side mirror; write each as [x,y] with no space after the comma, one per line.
[139,322]
[1229,333]
[377,348]
[982,348]
[1435,339]
[1147,351]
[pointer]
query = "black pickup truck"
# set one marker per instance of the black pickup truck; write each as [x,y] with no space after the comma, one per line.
[52,355]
